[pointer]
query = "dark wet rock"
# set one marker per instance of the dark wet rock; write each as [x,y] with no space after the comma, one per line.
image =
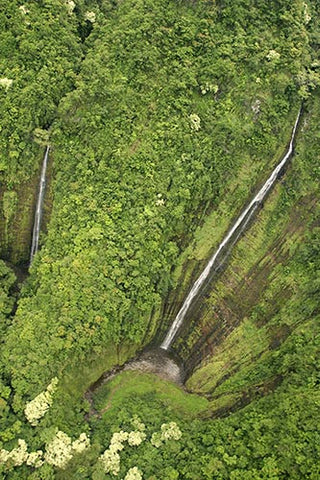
[158,362]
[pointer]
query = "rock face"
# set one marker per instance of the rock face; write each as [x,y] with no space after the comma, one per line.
[160,363]
[16,230]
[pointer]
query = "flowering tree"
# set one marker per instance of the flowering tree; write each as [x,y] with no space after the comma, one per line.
[133,474]
[18,456]
[169,431]
[39,406]
[61,449]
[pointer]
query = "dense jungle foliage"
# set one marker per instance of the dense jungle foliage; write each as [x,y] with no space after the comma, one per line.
[163,118]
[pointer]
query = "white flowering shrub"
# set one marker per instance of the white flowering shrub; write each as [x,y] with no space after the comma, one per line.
[136,438]
[110,461]
[39,406]
[119,437]
[4,456]
[17,456]
[255,107]
[81,443]
[160,201]
[273,55]
[90,16]
[35,459]
[20,455]
[5,83]
[70,6]
[209,87]
[156,439]
[133,474]
[24,10]
[136,421]
[110,458]
[59,450]
[169,431]
[195,121]
[306,13]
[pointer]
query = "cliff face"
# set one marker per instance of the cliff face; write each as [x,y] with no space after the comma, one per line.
[17,215]
[251,313]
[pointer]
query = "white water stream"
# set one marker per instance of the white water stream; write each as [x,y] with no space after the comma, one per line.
[243,218]
[38,212]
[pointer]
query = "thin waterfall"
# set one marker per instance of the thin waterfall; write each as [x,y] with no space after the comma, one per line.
[38,212]
[240,223]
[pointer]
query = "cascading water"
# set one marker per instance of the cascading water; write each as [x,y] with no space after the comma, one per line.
[38,212]
[239,227]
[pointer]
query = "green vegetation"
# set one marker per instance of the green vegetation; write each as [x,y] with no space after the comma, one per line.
[163,118]
[40,54]
[265,286]
[129,385]
[7,281]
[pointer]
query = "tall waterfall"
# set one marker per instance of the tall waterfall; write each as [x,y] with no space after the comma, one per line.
[38,212]
[240,224]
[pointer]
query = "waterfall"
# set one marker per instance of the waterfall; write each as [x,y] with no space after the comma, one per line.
[38,212]
[240,223]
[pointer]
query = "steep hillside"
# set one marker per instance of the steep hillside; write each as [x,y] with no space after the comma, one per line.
[163,120]
[41,53]
[266,300]
[158,126]
[260,357]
